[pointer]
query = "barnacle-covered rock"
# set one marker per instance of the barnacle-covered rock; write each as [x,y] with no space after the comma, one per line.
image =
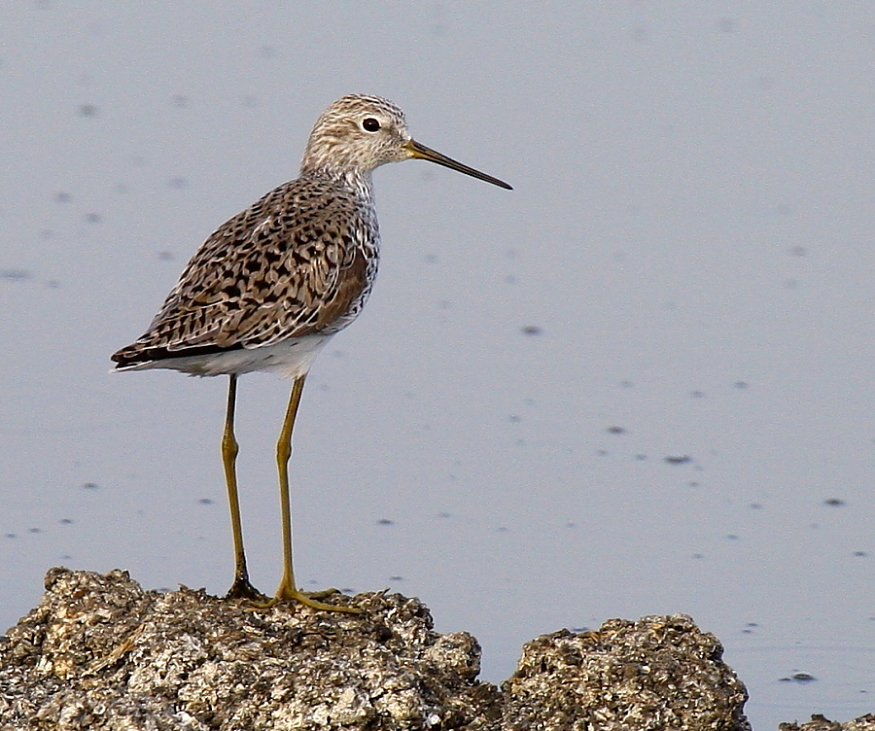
[99,652]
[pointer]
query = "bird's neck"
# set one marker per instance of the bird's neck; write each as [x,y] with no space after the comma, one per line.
[361,182]
[356,181]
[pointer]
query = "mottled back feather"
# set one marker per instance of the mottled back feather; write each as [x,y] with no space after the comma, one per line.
[297,262]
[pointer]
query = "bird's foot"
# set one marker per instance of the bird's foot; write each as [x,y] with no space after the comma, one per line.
[308,599]
[242,589]
[324,593]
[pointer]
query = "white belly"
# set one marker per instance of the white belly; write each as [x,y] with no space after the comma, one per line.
[290,359]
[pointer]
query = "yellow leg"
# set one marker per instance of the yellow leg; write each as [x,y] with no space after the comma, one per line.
[287,588]
[241,586]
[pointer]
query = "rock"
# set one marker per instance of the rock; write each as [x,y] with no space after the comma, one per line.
[656,673]
[99,653]
[821,723]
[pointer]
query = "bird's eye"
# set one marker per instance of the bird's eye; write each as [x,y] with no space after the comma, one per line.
[370,124]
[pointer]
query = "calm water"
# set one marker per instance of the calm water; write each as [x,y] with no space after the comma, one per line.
[641,383]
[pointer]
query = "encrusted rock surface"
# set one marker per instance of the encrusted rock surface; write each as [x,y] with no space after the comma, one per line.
[656,673]
[821,723]
[99,652]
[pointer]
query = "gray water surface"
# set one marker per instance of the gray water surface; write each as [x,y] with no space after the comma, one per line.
[640,383]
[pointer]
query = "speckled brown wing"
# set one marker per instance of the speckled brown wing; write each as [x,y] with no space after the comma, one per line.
[297,262]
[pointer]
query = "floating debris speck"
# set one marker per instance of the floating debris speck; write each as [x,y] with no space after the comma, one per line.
[678,459]
[15,275]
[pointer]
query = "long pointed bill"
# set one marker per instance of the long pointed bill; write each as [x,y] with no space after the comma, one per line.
[421,152]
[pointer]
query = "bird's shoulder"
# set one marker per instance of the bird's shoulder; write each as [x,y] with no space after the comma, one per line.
[289,227]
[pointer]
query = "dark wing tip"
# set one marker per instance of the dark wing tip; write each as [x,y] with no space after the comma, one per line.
[132,356]
[126,357]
